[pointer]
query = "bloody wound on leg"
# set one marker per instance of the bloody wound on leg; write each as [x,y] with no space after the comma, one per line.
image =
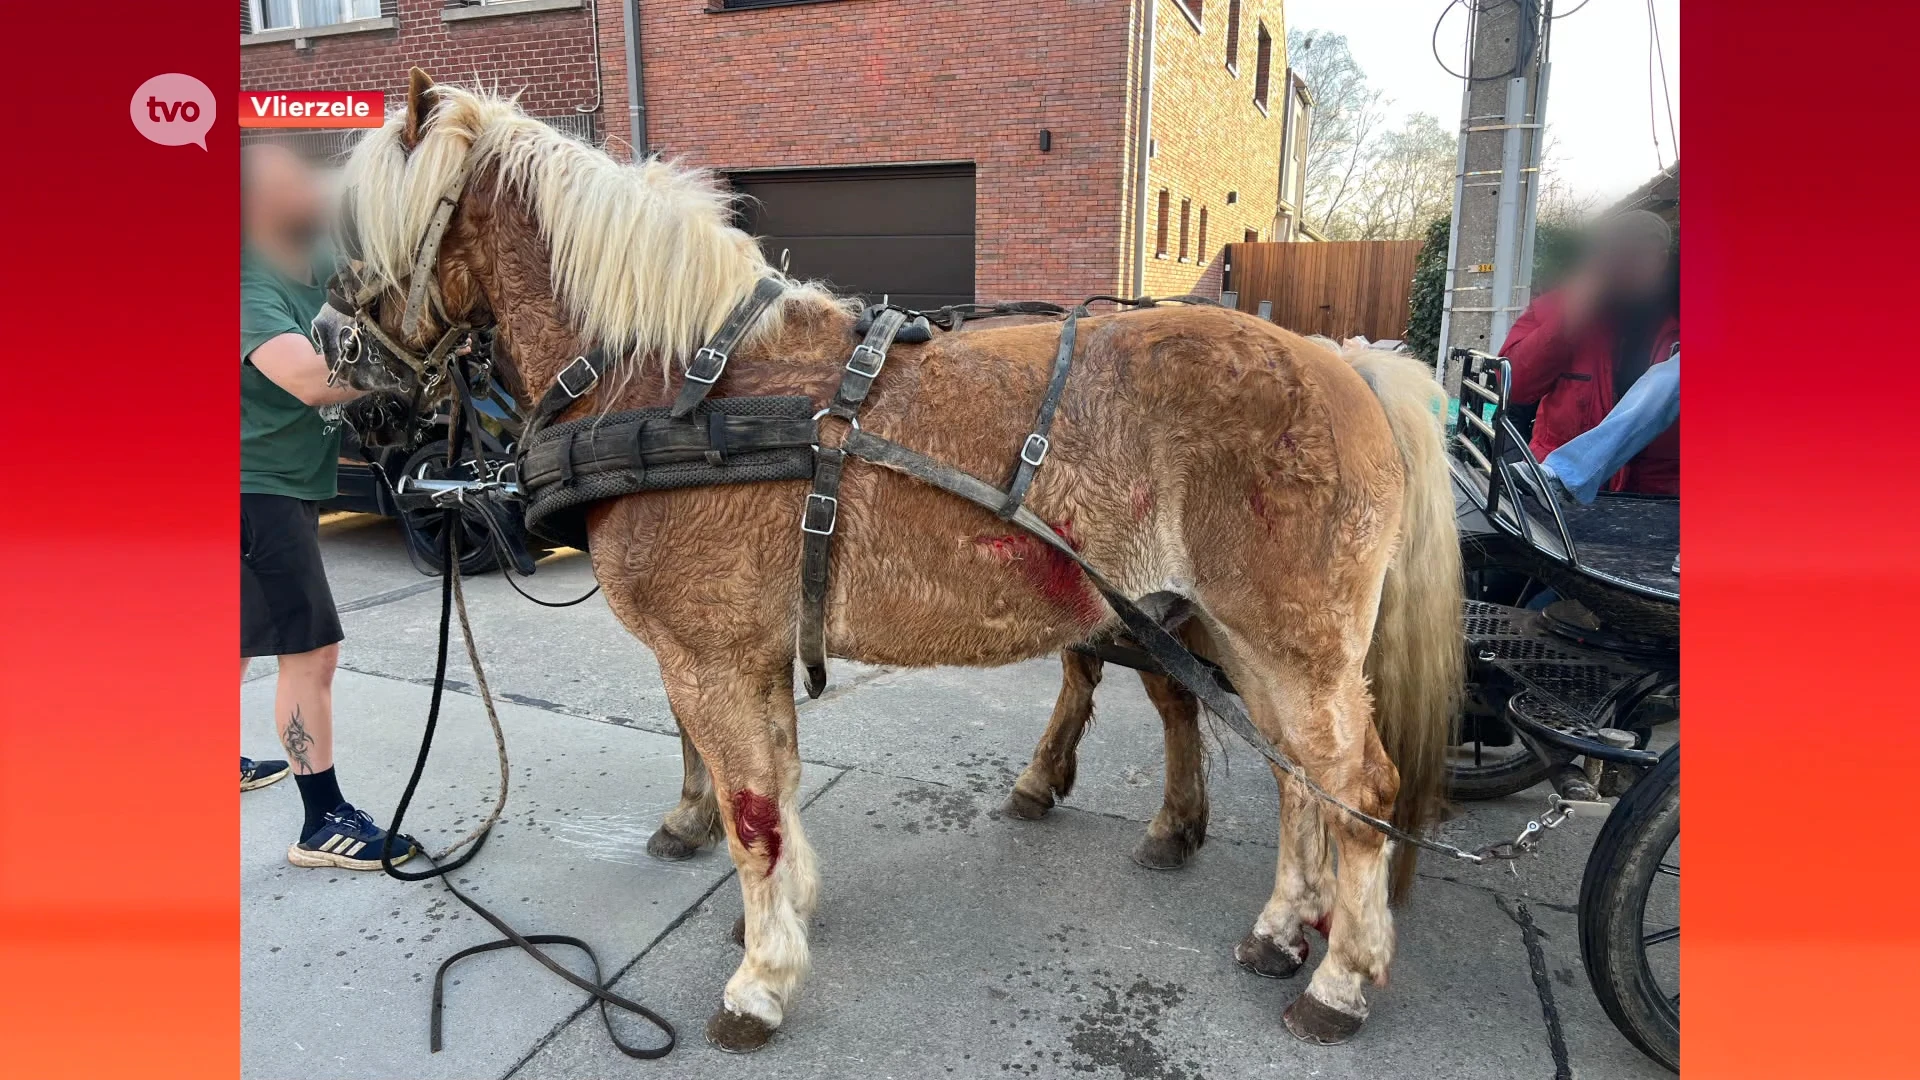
[755,818]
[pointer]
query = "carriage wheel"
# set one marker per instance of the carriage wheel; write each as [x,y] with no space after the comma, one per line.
[1630,913]
[424,526]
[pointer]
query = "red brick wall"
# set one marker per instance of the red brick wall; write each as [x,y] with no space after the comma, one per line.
[865,82]
[549,54]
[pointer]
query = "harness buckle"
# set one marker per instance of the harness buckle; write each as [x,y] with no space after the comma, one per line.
[593,378]
[707,355]
[1034,450]
[879,361]
[808,522]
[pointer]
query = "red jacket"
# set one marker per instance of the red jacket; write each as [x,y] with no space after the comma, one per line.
[1571,376]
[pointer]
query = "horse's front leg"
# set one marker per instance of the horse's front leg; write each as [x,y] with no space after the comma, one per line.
[742,720]
[695,822]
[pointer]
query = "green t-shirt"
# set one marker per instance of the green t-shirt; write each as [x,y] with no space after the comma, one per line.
[286,446]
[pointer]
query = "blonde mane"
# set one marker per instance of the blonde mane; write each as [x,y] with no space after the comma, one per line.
[644,260]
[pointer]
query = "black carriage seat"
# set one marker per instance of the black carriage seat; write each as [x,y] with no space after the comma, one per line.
[1623,541]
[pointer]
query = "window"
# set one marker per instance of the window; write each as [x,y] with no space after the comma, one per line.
[1233,37]
[1201,254]
[1160,245]
[1262,67]
[303,14]
[1186,216]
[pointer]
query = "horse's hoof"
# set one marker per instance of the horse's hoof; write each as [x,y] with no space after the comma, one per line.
[1315,1021]
[737,1033]
[670,848]
[1027,807]
[1163,852]
[1268,959]
[740,931]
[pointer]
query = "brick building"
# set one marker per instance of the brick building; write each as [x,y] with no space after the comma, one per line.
[934,151]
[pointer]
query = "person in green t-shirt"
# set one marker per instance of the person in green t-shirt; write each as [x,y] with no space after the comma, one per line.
[289,455]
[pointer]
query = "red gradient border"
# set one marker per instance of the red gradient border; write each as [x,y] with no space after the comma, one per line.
[1799,526]
[118,597]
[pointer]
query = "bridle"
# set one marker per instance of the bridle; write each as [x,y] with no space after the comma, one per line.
[359,302]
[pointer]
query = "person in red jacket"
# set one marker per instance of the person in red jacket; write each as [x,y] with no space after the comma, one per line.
[1577,349]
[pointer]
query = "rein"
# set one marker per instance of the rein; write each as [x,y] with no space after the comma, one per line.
[452,598]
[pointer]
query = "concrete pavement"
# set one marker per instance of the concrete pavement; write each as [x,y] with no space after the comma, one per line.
[950,941]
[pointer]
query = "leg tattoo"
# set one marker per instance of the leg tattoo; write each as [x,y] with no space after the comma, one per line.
[298,742]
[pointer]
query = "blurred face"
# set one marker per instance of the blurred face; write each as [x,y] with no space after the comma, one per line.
[1630,255]
[1637,269]
[283,204]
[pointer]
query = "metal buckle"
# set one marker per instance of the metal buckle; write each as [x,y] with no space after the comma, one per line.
[1033,456]
[833,514]
[593,378]
[880,360]
[711,354]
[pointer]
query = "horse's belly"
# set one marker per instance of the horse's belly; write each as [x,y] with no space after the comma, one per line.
[990,597]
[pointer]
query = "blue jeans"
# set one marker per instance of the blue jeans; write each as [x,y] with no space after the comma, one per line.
[1650,407]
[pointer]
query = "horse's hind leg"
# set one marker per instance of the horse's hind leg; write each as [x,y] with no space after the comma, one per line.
[743,722]
[1180,827]
[1360,937]
[1328,728]
[695,822]
[1051,772]
[1303,884]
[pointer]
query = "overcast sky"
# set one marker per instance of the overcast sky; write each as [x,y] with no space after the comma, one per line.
[1597,93]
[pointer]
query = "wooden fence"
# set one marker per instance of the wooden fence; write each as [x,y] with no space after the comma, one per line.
[1338,289]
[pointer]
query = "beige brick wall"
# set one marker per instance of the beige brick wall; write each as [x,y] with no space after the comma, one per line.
[1211,139]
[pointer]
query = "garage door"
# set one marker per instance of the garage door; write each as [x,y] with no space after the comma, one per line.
[905,233]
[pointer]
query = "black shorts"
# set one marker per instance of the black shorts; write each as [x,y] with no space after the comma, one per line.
[285,604]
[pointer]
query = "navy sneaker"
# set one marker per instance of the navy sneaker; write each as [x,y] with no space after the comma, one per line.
[255,774]
[348,838]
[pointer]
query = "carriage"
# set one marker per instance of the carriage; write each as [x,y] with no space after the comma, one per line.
[1216,489]
[1572,629]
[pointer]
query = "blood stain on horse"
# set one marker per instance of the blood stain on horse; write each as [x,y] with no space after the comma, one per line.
[756,818]
[1258,502]
[1056,577]
[1141,498]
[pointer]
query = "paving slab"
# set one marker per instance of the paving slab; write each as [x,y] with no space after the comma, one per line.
[366,557]
[949,944]
[337,965]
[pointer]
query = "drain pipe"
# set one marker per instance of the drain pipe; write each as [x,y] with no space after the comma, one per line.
[636,86]
[1143,151]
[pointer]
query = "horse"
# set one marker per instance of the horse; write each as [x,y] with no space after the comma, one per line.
[1295,506]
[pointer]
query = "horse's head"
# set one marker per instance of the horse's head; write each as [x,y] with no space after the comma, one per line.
[395,325]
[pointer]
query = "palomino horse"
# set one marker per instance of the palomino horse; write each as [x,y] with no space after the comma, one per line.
[1296,508]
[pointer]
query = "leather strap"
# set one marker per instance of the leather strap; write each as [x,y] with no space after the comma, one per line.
[580,376]
[1172,656]
[818,521]
[574,382]
[1033,450]
[856,378]
[821,514]
[711,360]
[427,255]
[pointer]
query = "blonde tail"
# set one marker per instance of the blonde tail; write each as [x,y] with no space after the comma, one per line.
[1416,665]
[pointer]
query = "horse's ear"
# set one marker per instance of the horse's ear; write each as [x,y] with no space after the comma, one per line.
[419,107]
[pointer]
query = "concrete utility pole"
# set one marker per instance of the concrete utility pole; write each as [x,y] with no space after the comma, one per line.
[1490,250]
